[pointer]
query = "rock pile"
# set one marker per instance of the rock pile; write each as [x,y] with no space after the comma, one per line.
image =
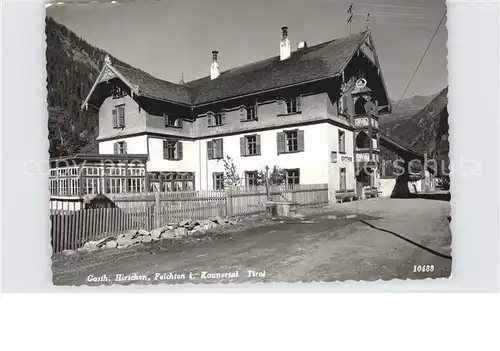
[168,231]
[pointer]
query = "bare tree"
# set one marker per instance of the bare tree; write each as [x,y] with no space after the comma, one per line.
[231,177]
[270,178]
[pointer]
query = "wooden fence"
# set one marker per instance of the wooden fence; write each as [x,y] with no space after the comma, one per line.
[71,229]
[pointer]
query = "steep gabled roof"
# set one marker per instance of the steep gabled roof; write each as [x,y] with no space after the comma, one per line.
[313,63]
[397,145]
[155,88]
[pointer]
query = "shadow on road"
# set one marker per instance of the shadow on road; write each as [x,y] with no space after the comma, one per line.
[408,240]
[431,196]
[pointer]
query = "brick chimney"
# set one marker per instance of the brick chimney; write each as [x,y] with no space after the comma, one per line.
[285,45]
[214,68]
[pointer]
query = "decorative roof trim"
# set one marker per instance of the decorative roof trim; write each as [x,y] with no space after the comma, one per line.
[372,44]
[105,69]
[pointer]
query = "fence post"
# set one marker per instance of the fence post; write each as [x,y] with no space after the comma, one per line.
[229,204]
[157,210]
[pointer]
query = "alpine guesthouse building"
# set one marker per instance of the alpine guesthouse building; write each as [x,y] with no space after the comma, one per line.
[312,111]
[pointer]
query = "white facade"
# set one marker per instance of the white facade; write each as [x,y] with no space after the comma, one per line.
[315,162]
[312,162]
[318,120]
[135,145]
[156,162]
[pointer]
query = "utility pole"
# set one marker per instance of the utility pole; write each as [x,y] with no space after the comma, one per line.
[349,20]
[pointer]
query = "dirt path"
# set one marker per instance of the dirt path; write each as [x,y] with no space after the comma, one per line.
[319,249]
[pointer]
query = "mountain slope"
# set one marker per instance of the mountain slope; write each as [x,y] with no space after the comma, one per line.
[72,67]
[426,130]
[407,107]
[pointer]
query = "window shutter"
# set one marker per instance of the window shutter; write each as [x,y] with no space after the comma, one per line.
[298,103]
[210,150]
[281,106]
[223,117]
[280,142]
[125,147]
[115,148]
[121,111]
[257,139]
[210,120]
[243,113]
[165,143]
[300,143]
[179,150]
[219,152]
[214,182]
[243,146]
[256,108]
[115,118]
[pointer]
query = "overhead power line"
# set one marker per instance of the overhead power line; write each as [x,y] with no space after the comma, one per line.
[399,23]
[422,58]
[396,15]
[393,6]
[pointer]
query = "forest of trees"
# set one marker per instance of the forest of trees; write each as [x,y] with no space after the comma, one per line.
[72,67]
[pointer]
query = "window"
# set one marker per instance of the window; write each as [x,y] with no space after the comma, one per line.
[178,184]
[92,171]
[362,141]
[250,145]
[119,117]
[135,185]
[251,178]
[215,149]
[115,185]
[171,181]
[290,141]
[292,104]
[218,178]
[248,113]
[91,185]
[342,179]
[251,113]
[333,156]
[292,177]
[359,106]
[341,141]
[120,148]
[172,150]
[216,119]
[172,121]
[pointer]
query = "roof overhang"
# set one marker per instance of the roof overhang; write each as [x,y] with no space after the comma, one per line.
[375,61]
[107,73]
[257,92]
[400,147]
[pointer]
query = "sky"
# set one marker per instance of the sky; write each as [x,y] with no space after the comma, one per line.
[168,38]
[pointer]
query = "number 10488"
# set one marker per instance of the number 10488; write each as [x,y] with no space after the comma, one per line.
[423,268]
